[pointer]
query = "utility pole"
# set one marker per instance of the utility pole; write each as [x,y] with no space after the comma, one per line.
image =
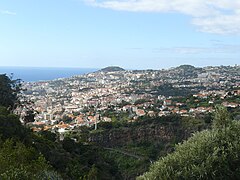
[96,121]
[96,124]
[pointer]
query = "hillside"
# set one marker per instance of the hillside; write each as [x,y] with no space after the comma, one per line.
[112,69]
[131,147]
[210,154]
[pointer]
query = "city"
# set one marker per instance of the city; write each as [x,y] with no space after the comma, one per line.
[85,100]
[120,90]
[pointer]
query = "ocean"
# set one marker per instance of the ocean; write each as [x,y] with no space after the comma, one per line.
[33,74]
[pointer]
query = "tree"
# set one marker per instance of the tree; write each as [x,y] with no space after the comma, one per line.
[10,93]
[93,173]
[221,118]
[9,90]
[20,162]
[29,116]
[10,126]
[210,154]
[48,135]
[69,144]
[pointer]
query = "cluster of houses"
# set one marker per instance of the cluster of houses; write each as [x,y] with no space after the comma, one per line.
[84,99]
[56,123]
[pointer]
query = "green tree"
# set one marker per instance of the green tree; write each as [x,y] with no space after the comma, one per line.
[29,117]
[221,118]
[20,162]
[93,173]
[9,90]
[210,154]
[10,126]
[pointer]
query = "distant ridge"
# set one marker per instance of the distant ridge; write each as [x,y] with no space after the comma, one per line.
[112,69]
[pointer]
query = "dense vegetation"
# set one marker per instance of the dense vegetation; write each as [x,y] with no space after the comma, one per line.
[210,154]
[9,90]
[132,147]
[26,155]
[18,161]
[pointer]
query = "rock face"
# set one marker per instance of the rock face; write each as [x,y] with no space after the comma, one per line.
[112,69]
[155,133]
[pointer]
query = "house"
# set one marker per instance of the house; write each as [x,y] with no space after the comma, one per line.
[183,111]
[232,105]
[163,113]
[79,119]
[35,129]
[167,102]
[46,128]
[107,119]
[140,112]
[151,114]
[126,108]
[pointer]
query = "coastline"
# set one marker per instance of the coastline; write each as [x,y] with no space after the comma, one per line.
[35,74]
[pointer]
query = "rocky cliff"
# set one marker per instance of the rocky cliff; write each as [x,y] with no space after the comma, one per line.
[155,132]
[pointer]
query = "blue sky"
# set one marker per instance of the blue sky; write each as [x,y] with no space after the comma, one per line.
[134,34]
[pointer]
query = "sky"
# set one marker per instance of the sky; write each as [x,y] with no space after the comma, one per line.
[134,34]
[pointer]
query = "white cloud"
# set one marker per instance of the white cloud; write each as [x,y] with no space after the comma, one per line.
[216,49]
[212,16]
[222,24]
[8,12]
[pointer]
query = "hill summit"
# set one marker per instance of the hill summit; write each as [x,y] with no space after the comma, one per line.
[112,69]
[186,67]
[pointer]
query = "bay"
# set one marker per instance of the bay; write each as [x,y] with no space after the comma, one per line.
[33,74]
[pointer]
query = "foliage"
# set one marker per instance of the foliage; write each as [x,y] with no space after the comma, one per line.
[140,101]
[29,117]
[10,126]
[32,156]
[169,90]
[129,167]
[93,173]
[9,90]
[20,162]
[48,135]
[210,154]
[142,138]
[28,155]
[74,160]
[66,119]
[221,118]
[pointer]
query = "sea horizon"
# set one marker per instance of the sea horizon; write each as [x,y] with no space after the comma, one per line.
[34,74]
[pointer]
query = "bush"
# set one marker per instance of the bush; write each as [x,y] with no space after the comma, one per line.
[20,162]
[210,154]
